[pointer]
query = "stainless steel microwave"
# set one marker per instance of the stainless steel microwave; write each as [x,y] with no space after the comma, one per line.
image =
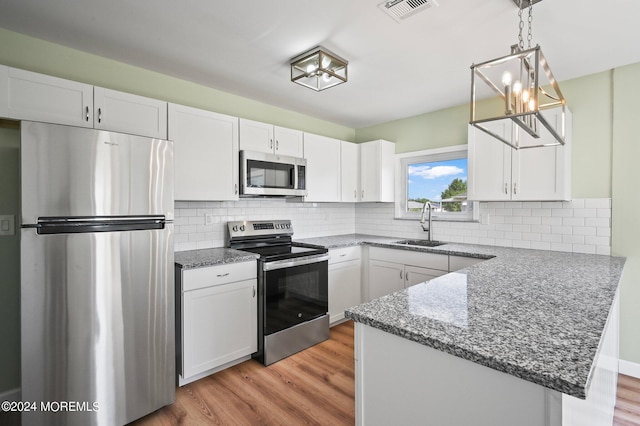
[271,174]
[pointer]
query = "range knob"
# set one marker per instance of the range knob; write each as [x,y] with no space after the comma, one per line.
[242,228]
[288,225]
[235,228]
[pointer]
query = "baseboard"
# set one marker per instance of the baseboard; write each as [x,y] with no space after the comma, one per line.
[629,368]
[11,395]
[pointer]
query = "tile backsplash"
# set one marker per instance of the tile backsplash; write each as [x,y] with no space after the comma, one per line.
[581,225]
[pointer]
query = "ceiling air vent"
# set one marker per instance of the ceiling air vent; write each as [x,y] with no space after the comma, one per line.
[402,9]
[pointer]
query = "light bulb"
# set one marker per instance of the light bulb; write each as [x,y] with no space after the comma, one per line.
[506,78]
[311,68]
[517,87]
[326,77]
[532,104]
[325,62]
[525,96]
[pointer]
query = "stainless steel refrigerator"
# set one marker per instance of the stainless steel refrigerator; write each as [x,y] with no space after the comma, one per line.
[97,280]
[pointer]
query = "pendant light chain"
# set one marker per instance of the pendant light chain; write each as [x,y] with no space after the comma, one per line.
[530,22]
[521,25]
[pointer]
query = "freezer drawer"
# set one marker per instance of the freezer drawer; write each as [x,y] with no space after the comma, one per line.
[98,324]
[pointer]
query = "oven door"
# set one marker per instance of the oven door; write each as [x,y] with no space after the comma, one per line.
[295,291]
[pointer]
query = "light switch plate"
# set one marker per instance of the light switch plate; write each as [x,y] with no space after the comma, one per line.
[7,225]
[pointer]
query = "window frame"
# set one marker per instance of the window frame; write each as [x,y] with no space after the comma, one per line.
[424,156]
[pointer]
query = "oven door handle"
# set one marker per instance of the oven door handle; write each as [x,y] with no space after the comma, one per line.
[289,263]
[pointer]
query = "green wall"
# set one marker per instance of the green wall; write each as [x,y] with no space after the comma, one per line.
[19,51]
[626,203]
[10,261]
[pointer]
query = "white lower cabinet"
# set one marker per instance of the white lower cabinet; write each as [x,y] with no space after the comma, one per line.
[459,262]
[392,270]
[218,311]
[344,281]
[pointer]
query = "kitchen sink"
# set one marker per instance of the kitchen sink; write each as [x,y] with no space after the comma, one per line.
[420,243]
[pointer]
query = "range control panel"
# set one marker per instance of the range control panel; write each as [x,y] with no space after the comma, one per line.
[251,228]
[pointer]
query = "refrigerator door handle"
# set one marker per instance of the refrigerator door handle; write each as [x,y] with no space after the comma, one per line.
[83,225]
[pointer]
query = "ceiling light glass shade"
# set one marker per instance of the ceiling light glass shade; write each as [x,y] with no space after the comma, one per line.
[318,69]
[517,87]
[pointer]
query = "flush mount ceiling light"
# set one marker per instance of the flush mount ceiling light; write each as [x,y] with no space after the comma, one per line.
[318,69]
[517,87]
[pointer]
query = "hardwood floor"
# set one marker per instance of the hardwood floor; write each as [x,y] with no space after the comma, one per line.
[314,387]
[627,402]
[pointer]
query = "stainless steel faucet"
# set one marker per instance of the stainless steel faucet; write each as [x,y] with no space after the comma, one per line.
[427,205]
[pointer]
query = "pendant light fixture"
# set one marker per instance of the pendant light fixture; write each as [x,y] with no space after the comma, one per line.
[517,87]
[318,69]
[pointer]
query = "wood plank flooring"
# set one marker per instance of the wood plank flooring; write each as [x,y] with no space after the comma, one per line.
[314,387]
[627,402]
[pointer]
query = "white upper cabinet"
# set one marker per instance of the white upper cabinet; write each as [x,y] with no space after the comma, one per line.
[38,97]
[205,154]
[4,91]
[377,171]
[498,172]
[323,168]
[264,137]
[350,172]
[127,113]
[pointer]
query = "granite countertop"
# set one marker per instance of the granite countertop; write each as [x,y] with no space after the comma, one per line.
[210,257]
[537,315]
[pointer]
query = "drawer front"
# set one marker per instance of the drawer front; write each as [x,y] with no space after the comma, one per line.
[409,257]
[196,278]
[344,254]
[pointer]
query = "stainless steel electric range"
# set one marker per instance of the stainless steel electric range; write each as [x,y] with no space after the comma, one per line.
[292,287]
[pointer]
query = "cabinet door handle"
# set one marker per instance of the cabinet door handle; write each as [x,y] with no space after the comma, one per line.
[362,194]
[236,189]
[86,115]
[277,145]
[355,193]
[514,188]
[99,115]
[343,254]
[222,275]
[506,188]
[401,275]
[406,276]
[254,291]
[270,143]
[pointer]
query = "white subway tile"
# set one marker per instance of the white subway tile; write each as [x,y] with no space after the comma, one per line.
[598,221]
[562,230]
[540,245]
[585,212]
[573,239]
[522,212]
[603,212]
[553,221]
[541,212]
[605,250]
[532,220]
[561,247]
[583,248]
[598,241]
[598,203]
[562,212]
[584,230]
[522,244]
[573,221]
[551,204]
[551,238]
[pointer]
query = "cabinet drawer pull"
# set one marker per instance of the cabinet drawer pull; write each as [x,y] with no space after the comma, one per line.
[343,254]
[222,275]
[86,116]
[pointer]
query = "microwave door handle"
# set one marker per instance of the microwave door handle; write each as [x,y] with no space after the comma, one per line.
[294,170]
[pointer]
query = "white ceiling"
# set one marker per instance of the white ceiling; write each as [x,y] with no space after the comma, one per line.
[395,70]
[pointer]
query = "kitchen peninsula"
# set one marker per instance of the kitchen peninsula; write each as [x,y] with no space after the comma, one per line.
[527,337]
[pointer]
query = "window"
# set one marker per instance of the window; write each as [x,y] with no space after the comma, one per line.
[438,176]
